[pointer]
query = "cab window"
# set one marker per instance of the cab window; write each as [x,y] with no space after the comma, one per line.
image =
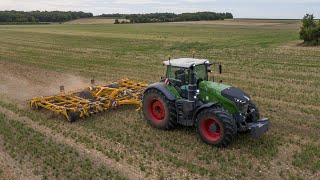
[201,72]
[178,75]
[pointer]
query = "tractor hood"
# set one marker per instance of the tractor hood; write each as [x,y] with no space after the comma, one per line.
[231,93]
[224,94]
[235,95]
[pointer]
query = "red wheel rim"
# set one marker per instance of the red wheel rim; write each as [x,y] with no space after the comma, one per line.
[211,129]
[156,110]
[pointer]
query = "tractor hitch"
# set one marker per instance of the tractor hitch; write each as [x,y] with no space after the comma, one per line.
[259,128]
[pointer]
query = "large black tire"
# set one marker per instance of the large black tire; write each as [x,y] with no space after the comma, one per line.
[216,127]
[72,116]
[86,95]
[158,110]
[255,115]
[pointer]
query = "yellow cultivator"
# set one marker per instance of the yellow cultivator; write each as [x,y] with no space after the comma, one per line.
[93,99]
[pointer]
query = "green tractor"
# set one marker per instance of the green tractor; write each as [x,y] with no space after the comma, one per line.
[187,97]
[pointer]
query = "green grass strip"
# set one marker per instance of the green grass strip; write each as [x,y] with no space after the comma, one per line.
[49,158]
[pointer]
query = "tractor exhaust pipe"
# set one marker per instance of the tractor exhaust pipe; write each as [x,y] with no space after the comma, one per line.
[192,85]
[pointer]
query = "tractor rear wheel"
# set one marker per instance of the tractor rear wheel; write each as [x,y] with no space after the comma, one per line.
[159,111]
[216,127]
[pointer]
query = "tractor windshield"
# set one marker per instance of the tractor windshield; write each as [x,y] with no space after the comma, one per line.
[180,75]
[201,72]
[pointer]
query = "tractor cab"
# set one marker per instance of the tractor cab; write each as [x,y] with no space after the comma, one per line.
[182,72]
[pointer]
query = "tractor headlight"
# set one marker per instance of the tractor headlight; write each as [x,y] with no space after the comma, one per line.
[239,101]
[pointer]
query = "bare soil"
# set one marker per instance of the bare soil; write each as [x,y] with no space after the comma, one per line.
[22,83]
[289,24]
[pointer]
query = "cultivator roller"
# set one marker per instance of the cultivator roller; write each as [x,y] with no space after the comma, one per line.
[93,99]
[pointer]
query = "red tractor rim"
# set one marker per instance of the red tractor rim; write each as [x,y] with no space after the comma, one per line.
[211,129]
[156,110]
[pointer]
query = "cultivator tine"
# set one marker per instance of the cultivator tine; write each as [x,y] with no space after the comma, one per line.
[73,106]
[61,88]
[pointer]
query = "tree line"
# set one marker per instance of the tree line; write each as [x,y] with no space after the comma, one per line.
[62,16]
[41,16]
[116,15]
[172,17]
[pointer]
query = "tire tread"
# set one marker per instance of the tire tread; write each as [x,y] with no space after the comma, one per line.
[226,120]
[172,110]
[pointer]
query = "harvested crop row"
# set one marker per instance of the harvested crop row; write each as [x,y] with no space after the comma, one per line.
[47,157]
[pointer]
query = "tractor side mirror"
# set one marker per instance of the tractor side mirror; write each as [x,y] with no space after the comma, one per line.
[220,69]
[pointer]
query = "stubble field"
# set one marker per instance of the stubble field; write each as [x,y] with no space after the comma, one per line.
[264,61]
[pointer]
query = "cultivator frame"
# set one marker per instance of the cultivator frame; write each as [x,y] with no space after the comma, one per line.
[93,99]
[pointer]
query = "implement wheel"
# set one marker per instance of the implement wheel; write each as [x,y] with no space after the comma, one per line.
[216,127]
[86,95]
[72,116]
[158,110]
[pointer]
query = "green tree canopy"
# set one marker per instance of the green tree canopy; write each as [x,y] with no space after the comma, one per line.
[172,17]
[310,30]
[41,16]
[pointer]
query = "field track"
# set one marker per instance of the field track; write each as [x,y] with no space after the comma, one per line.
[93,21]
[282,77]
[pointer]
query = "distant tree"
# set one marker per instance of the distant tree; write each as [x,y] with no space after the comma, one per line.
[229,15]
[117,21]
[310,30]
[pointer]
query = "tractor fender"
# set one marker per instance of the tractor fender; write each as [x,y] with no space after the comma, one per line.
[203,107]
[162,87]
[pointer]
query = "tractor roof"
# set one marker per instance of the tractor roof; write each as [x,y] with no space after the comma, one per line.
[185,62]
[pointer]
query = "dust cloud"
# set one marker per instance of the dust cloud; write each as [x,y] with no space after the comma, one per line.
[23,83]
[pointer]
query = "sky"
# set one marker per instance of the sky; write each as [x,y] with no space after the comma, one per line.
[282,9]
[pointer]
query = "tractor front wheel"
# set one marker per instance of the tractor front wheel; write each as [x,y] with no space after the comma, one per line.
[216,127]
[158,110]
